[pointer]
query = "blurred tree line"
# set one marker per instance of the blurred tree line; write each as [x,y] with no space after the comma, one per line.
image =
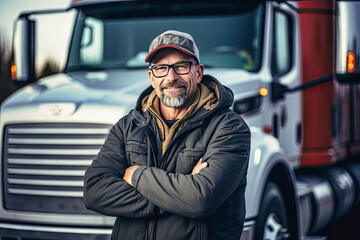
[6,85]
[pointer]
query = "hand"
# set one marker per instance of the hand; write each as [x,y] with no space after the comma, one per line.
[129,172]
[199,166]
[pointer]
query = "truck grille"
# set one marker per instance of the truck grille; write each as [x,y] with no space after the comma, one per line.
[44,165]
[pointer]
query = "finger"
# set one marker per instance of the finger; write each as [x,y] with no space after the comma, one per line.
[198,164]
[202,166]
[199,167]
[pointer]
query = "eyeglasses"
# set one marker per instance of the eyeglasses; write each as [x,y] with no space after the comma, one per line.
[162,70]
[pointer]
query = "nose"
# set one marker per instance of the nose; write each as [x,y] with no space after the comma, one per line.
[171,75]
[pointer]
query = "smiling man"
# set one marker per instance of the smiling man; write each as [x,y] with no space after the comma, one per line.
[175,166]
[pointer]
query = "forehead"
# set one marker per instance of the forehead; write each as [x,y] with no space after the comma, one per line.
[170,54]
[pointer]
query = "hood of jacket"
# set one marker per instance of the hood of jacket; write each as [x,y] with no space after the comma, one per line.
[210,95]
[223,94]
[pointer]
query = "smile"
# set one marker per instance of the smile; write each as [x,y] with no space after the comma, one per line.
[174,88]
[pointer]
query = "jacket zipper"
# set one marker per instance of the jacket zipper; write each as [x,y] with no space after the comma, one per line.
[162,124]
[148,230]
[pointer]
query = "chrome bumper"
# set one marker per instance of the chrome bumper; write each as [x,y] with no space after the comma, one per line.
[248,230]
[20,231]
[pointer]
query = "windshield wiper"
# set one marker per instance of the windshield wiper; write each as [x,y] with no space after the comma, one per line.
[207,66]
[84,67]
[136,67]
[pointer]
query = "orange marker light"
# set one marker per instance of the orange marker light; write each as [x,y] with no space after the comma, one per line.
[267,129]
[350,62]
[13,71]
[263,91]
[13,68]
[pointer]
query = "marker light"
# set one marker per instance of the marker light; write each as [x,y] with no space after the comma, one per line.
[13,70]
[263,91]
[350,62]
[267,129]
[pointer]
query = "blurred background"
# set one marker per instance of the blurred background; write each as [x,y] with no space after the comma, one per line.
[49,59]
[55,30]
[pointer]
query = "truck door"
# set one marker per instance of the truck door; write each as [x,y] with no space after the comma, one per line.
[285,69]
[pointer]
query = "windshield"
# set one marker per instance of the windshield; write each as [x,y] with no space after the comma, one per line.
[226,40]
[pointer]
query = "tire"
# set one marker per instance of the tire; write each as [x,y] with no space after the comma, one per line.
[272,222]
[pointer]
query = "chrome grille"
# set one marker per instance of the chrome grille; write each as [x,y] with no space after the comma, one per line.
[44,165]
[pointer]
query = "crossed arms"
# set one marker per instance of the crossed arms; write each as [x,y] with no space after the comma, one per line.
[130,170]
[113,188]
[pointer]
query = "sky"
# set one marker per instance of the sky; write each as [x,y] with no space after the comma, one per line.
[53,31]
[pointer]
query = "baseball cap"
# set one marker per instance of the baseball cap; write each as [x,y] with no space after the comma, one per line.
[174,39]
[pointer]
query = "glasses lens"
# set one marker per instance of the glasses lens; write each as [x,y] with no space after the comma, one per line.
[160,71]
[182,68]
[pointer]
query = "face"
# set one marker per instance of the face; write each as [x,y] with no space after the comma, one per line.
[176,91]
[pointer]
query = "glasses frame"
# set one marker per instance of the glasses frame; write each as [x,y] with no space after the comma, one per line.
[171,66]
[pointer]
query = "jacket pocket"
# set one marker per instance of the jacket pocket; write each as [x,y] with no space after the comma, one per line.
[136,153]
[174,227]
[187,159]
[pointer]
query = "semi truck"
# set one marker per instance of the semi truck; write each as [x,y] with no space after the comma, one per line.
[293,67]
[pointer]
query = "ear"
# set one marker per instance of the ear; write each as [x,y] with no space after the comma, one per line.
[199,73]
[151,78]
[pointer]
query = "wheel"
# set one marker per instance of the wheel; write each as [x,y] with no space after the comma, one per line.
[272,220]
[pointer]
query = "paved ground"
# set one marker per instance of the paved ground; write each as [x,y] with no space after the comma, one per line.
[346,228]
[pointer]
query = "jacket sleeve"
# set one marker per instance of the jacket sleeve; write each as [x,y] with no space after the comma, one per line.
[201,194]
[105,191]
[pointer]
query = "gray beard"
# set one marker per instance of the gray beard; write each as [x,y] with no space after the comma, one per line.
[173,101]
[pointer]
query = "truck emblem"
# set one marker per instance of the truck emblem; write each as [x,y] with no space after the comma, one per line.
[57,109]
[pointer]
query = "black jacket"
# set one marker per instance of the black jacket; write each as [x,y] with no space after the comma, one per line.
[167,202]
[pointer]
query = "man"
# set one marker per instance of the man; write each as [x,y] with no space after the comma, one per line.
[175,167]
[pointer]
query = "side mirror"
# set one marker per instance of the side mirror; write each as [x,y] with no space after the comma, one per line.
[347,66]
[88,35]
[23,56]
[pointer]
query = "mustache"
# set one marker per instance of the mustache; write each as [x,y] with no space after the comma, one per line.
[173,84]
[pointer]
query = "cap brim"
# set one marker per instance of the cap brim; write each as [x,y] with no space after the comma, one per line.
[154,51]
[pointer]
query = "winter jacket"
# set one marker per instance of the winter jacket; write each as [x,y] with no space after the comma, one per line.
[166,201]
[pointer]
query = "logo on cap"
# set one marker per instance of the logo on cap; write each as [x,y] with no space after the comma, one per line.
[173,39]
